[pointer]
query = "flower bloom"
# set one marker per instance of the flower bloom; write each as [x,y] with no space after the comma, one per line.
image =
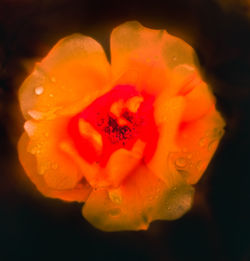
[128,138]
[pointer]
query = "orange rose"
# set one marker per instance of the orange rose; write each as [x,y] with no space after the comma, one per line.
[128,138]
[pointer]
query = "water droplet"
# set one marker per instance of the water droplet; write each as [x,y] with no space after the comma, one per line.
[53,79]
[43,168]
[202,142]
[36,115]
[174,58]
[39,90]
[51,95]
[115,196]
[187,67]
[114,211]
[217,132]
[200,165]
[181,162]
[35,150]
[212,145]
[29,127]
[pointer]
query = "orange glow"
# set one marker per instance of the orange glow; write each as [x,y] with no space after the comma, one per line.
[128,138]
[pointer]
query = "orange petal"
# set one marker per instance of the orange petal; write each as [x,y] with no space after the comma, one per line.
[168,116]
[198,102]
[78,193]
[72,75]
[58,170]
[122,162]
[55,167]
[125,208]
[197,141]
[141,199]
[146,57]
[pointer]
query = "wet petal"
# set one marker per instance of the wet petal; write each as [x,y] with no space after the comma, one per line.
[198,101]
[126,208]
[74,73]
[168,116]
[58,170]
[53,167]
[175,202]
[146,57]
[142,199]
[122,162]
[197,142]
[78,193]
[130,138]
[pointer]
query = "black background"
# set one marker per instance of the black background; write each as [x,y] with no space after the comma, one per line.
[33,227]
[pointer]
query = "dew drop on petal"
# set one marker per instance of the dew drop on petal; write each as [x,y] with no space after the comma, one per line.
[36,115]
[35,150]
[212,145]
[39,90]
[43,168]
[200,165]
[115,196]
[188,67]
[202,142]
[181,162]
[29,128]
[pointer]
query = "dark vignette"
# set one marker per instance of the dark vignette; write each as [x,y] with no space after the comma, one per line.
[217,228]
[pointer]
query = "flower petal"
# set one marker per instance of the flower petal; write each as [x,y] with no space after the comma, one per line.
[198,101]
[126,208]
[74,147]
[74,73]
[79,193]
[146,57]
[52,165]
[141,199]
[122,162]
[168,117]
[197,141]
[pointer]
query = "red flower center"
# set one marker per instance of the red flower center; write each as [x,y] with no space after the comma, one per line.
[113,121]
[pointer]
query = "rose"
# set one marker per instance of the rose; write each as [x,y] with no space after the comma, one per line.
[129,138]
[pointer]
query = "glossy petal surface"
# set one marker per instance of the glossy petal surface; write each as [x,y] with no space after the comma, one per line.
[128,138]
